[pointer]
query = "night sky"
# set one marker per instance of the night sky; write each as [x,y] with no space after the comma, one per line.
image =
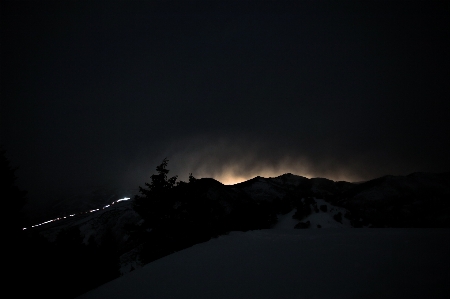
[96,93]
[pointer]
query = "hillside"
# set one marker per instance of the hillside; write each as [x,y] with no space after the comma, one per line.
[329,263]
[205,209]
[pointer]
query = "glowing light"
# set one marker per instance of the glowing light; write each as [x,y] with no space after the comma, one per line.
[122,199]
[72,215]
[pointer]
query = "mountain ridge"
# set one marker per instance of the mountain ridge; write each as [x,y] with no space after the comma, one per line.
[204,209]
[273,188]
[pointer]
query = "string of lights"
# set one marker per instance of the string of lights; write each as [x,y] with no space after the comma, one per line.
[72,215]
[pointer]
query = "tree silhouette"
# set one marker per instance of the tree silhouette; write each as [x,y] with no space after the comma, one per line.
[14,197]
[191,178]
[153,203]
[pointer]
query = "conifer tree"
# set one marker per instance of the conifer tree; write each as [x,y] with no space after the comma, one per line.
[153,202]
[15,198]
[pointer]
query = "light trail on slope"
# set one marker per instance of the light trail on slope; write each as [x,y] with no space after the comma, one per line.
[72,215]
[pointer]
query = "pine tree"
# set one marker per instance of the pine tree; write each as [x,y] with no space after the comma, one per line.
[191,178]
[15,198]
[153,203]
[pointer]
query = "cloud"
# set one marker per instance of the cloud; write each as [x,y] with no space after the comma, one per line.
[234,159]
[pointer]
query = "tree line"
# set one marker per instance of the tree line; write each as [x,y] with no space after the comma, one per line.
[180,214]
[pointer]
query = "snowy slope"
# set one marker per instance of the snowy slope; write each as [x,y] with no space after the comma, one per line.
[286,221]
[327,263]
[337,249]
[325,219]
[114,218]
[317,219]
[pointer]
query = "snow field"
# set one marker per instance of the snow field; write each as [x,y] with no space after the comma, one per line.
[298,263]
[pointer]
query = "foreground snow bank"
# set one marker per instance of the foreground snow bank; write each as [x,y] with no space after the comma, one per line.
[327,263]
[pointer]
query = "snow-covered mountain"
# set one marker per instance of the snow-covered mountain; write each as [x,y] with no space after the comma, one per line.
[424,198]
[415,200]
[282,204]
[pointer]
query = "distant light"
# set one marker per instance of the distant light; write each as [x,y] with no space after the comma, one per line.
[122,199]
[72,215]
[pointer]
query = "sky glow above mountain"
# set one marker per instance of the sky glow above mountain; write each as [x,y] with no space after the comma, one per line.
[96,93]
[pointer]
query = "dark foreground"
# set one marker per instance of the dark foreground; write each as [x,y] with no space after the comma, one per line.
[327,263]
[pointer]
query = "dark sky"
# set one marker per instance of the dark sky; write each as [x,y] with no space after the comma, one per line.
[99,93]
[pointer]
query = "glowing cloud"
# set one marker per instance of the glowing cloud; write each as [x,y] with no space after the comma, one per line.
[233,160]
